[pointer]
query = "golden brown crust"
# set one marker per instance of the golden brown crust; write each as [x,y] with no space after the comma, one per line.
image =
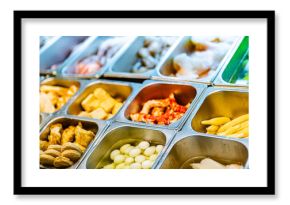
[55,147]
[71,146]
[46,160]
[52,152]
[62,162]
[73,155]
[43,145]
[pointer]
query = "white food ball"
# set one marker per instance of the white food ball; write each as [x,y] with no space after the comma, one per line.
[128,149]
[135,152]
[159,148]
[135,166]
[119,159]
[124,147]
[147,164]
[153,157]
[143,145]
[149,151]
[121,166]
[114,153]
[109,166]
[129,160]
[140,158]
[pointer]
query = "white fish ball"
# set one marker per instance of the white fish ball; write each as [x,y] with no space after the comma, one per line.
[140,158]
[128,149]
[135,152]
[124,147]
[159,148]
[149,151]
[119,159]
[129,160]
[143,145]
[135,165]
[114,153]
[147,164]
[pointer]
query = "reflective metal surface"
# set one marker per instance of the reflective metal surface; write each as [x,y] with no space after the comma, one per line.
[183,92]
[120,134]
[93,125]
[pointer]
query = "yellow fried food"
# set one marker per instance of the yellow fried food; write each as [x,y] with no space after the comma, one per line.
[52,152]
[100,105]
[73,155]
[235,128]
[82,136]
[90,103]
[62,162]
[117,107]
[55,134]
[101,94]
[71,146]
[53,97]
[68,135]
[212,128]
[46,105]
[43,145]
[216,121]
[234,122]
[55,147]
[46,160]
[99,113]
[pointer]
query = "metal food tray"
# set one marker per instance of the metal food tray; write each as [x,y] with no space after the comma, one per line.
[192,141]
[232,67]
[59,50]
[119,134]
[123,64]
[184,92]
[89,124]
[165,69]
[114,88]
[89,49]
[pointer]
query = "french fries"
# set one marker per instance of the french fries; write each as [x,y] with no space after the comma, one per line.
[224,126]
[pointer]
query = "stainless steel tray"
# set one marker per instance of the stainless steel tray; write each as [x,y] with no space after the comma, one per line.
[164,69]
[184,92]
[91,47]
[119,134]
[91,124]
[233,66]
[58,51]
[115,88]
[187,148]
[123,64]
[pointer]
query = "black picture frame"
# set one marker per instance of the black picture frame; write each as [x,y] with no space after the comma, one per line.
[268,190]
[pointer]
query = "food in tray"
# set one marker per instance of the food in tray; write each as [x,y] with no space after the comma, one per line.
[53,97]
[64,146]
[100,105]
[105,52]
[224,126]
[62,56]
[160,111]
[205,58]
[139,156]
[209,163]
[154,48]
